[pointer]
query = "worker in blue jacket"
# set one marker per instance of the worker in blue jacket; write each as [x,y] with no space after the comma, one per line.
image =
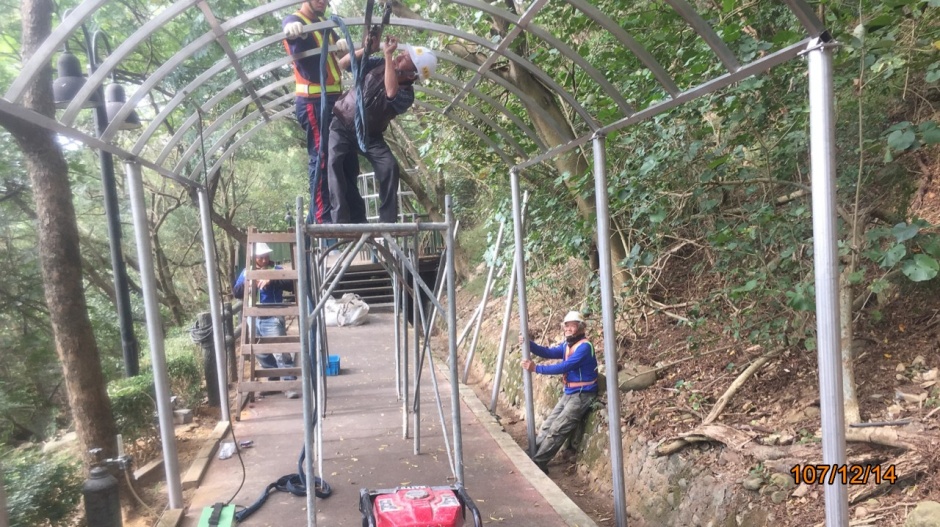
[578,369]
[270,292]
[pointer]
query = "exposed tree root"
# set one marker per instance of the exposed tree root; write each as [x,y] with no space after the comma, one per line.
[736,385]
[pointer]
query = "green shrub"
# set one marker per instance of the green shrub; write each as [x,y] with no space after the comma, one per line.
[132,399]
[42,491]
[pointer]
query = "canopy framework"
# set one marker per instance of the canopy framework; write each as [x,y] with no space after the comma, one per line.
[255,73]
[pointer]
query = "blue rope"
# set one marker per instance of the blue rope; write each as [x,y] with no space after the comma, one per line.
[359,75]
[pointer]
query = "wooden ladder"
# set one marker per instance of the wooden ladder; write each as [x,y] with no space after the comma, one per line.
[251,377]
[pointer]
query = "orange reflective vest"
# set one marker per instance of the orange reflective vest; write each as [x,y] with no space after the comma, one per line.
[306,87]
[568,351]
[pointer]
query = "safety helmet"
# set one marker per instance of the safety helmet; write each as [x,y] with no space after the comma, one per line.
[424,60]
[262,249]
[574,316]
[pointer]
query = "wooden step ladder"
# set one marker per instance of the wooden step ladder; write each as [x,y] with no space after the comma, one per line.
[251,377]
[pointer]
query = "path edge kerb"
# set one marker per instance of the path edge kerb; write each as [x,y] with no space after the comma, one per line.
[563,505]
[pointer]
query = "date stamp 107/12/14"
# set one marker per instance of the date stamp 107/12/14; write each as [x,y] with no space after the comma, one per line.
[821,474]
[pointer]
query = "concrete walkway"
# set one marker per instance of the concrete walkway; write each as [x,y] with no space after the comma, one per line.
[363,447]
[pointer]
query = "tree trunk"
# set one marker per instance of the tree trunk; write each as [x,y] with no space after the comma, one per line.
[849,393]
[59,254]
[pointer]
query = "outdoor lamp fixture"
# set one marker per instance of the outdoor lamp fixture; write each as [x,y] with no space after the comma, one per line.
[69,81]
[107,102]
[114,99]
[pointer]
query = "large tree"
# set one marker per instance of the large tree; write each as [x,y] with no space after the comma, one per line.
[59,254]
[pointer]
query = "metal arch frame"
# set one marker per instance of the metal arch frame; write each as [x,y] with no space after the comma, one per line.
[270,66]
[562,48]
[187,155]
[532,104]
[503,110]
[799,7]
[224,118]
[481,116]
[222,40]
[540,74]
[523,127]
[752,68]
[190,49]
[116,56]
[248,119]
[476,131]
[705,30]
[287,112]
[640,52]
[201,79]
[52,125]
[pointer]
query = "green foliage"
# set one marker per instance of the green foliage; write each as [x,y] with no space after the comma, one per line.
[132,398]
[42,490]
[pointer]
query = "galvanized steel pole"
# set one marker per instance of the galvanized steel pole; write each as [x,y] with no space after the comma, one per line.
[523,309]
[161,381]
[215,301]
[610,331]
[304,302]
[452,338]
[826,265]
[486,296]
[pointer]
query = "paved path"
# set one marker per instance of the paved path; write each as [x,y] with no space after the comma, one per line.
[363,447]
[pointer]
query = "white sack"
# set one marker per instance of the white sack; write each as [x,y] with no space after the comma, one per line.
[347,311]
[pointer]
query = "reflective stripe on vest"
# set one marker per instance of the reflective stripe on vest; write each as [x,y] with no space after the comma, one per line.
[304,86]
[568,351]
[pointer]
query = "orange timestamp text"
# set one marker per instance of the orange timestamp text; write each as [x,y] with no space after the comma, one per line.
[823,473]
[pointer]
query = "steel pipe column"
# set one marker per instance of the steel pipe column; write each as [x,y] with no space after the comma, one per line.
[826,264]
[215,301]
[307,349]
[161,382]
[610,329]
[523,308]
[452,337]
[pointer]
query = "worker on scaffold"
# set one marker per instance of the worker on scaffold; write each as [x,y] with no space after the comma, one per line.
[309,88]
[388,91]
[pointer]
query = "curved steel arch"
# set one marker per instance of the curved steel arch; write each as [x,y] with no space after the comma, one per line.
[224,118]
[205,39]
[523,127]
[242,139]
[184,54]
[479,115]
[562,48]
[228,152]
[232,87]
[217,32]
[474,130]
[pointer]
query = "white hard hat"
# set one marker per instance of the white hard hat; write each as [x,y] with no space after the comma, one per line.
[574,316]
[262,249]
[424,59]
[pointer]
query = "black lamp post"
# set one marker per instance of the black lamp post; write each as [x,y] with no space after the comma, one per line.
[106,102]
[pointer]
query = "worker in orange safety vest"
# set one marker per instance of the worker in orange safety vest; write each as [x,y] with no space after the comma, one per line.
[578,369]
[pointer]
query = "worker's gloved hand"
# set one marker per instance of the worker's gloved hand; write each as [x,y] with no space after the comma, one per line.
[294,30]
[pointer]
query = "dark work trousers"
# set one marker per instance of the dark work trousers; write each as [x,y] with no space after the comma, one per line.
[348,205]
[564,419]
[307,110]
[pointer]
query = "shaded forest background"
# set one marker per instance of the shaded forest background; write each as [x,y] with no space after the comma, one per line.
[710,203]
